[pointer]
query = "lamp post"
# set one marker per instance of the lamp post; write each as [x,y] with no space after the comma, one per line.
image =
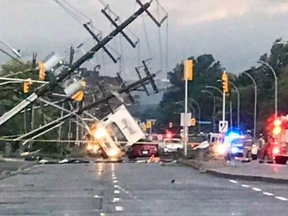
[214,107]
[255,103]
[276,85]
[238,103]
[11,48]
[219,90]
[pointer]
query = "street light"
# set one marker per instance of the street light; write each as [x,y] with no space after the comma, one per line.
[219,90]
[276,85]
[12,49]
[215,88]
[214,107]
[255,103]
[181,103]
[238,103]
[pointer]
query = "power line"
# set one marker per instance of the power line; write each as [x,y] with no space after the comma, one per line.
[167,45]
[160,39]
[146,36]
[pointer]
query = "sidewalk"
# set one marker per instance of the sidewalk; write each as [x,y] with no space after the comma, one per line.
[245,171]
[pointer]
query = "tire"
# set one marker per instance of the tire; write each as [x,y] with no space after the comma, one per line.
[280,160]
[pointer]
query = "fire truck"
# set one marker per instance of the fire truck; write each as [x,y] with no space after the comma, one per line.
[276,150]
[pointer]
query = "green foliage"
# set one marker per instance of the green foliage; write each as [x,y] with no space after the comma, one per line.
[12,94]
[207,71]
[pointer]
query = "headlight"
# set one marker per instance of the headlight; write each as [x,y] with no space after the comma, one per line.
[89,147]
[100,133]
[95,148]
[221,149]
[113,152]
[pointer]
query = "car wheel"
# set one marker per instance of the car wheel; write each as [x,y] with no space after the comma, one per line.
[280,160]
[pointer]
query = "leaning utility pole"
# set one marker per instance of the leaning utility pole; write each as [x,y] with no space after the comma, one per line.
[66,72]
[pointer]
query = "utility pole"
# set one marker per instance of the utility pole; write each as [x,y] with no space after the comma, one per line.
[32,117]
[188,75]
[66,72]
[149,79]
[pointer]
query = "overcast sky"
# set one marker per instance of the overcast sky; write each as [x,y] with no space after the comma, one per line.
[236,32]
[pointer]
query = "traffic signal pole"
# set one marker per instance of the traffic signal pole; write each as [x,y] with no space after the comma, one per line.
[66,72]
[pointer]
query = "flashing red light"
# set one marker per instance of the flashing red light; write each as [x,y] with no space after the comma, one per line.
[277,130]
[276,150]
[277,122]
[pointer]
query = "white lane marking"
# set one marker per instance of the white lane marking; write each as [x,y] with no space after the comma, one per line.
[119,208]
[119,187]
[114,177]
[233,181]
[102,214]
[116,199]
[126,192]
[116,186]
[98,197]
[281,198]
[245,186]
[115,181]
[268,194]
[116,191]
[256,189]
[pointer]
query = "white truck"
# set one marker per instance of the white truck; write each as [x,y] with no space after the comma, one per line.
[117,131]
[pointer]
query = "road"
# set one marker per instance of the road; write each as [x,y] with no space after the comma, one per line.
[135,189]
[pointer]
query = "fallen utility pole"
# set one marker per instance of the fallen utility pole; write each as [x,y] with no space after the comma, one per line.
[66,72]
[132,87]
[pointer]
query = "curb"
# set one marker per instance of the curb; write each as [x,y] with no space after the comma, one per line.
[247,178]
[198,166]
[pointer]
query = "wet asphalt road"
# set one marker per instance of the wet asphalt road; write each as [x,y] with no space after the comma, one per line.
[136,189]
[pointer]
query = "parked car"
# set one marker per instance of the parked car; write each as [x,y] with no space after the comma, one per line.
[171,145]
[143,148]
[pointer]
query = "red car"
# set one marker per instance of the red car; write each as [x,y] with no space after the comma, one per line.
[143,148]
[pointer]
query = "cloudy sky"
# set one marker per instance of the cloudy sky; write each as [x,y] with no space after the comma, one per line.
[236,32]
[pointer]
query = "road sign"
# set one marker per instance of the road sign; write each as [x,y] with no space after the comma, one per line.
[148,124]
[223,126]
[188,119]
[204,122]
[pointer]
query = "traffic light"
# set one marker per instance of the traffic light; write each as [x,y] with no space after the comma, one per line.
[79,96]
[148,124]
[26,85]
[188,69]
[225,82]
[193,122]
[42,70]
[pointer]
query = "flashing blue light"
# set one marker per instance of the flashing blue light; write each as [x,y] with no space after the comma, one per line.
[234,150]
[231,135]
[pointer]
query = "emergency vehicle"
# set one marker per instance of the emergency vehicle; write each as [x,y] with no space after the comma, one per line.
[276,149]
